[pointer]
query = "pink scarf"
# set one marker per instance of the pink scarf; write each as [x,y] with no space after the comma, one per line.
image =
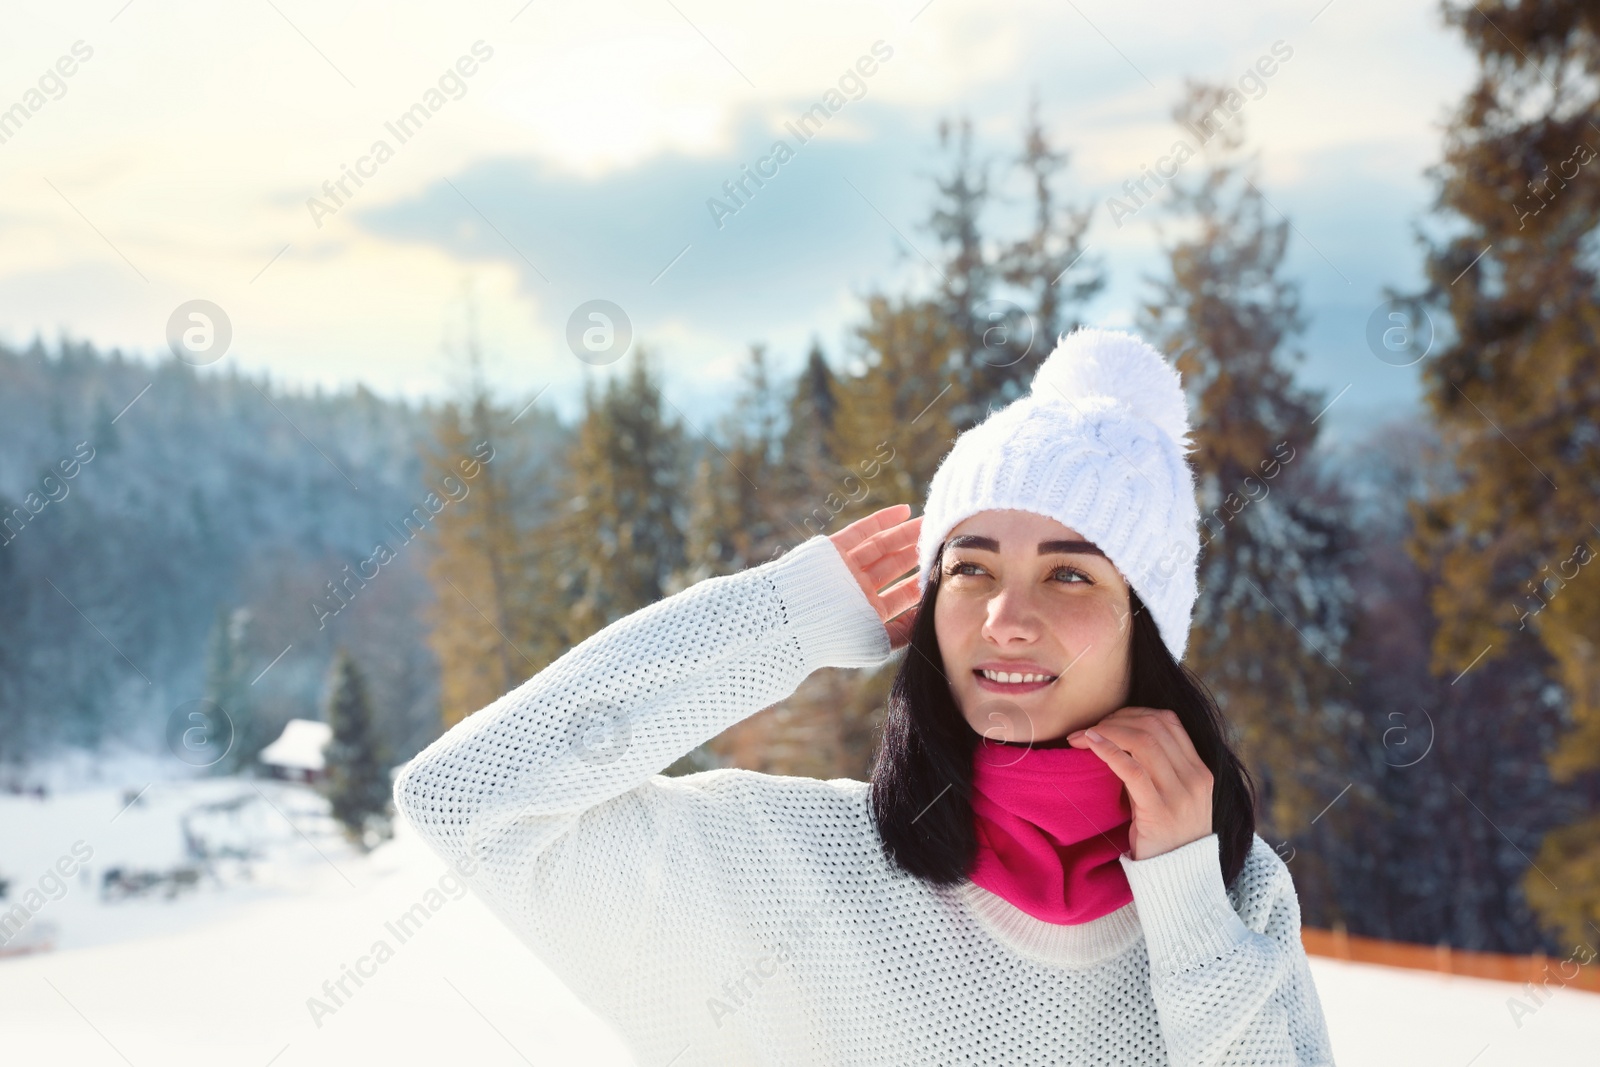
[1051,823]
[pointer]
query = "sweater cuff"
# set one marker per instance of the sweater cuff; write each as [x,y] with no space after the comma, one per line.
[826,609]
[1183,906]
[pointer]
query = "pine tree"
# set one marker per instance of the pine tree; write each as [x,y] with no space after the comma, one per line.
[617,543]
[476,563]
[1001,341]
[105,435]
[1271,618]
[620,539]
[1051,262]
[493,622]
[227,686]
[808,464]
[966,274]
[1515,391]
[358,768]
[775,484]
[895,418]
[20,725]
[737,489]
[854,444]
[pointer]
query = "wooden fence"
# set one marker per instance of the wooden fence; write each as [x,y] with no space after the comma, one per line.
[1567,971]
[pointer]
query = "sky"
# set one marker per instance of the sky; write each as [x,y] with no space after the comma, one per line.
[568,153]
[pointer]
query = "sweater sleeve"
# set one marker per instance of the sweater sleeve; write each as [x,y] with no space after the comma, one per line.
[549,800]
[1230,978]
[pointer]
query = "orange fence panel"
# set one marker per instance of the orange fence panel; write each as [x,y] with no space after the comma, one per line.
[1576,971]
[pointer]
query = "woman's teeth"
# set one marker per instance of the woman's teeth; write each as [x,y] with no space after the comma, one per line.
[1016,679]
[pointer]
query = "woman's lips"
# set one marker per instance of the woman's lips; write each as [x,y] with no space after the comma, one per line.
[1008,688]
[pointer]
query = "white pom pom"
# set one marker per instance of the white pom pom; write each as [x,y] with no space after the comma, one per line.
[1091,362]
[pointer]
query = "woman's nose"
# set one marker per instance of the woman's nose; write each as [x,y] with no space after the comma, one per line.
[1011,616]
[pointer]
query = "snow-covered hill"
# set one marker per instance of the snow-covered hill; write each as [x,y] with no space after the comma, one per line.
[236,965]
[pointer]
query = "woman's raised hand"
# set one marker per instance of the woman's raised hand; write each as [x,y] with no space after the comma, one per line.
[1169,786]
[878,550]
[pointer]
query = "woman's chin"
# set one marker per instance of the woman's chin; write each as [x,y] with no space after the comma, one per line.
[1031,730]
[1021,721]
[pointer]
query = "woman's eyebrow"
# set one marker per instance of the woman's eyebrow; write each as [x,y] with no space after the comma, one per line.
[1046,548]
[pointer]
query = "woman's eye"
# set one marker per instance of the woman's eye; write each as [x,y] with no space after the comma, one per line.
[1066,575]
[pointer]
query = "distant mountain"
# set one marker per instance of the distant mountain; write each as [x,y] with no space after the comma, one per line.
[150,510]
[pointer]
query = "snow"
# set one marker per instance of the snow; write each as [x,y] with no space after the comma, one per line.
[300,745]
[222,972]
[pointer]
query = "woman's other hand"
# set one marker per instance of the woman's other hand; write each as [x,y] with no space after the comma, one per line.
[878,550]
[1169,786]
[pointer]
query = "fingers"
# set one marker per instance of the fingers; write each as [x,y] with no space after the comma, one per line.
[887,554]
[1175,741]
[1149,736]
[901,596]
[878,550]
[1169,786]
[851,536]
[1142,791]
[1182,745]
[1157,741]
[899,607]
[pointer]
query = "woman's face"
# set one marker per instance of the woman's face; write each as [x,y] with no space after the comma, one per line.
[1014,599]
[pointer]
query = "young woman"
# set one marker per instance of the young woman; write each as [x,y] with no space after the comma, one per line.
[1055,860]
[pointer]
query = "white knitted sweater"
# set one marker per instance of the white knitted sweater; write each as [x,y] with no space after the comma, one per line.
[731,917]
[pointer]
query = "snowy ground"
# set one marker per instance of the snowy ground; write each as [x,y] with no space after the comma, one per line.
[221,972]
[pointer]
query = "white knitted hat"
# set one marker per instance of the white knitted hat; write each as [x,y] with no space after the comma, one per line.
[1098,444]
